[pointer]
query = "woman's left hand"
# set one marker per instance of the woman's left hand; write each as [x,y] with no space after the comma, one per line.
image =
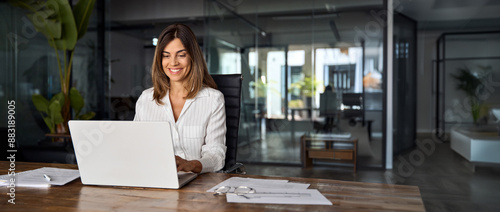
[188,165]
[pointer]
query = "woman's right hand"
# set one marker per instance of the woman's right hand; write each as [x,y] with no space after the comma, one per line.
[188,165]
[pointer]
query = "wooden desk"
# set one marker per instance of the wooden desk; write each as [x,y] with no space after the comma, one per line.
[345,196]
[327,149]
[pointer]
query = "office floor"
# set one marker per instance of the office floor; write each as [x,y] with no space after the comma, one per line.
[278,147]
[447,182]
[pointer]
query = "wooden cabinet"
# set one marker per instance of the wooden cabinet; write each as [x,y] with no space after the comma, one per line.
[328,147]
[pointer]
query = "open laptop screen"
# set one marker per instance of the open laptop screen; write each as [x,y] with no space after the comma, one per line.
[125,153]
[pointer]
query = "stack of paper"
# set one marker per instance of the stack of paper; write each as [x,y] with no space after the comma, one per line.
[42,177]
[334,135]
[271,192]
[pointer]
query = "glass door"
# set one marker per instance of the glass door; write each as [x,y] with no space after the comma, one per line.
[405,87]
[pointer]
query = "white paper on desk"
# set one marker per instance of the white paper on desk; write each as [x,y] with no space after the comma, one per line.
[35,178]
[234,182]
[281,196]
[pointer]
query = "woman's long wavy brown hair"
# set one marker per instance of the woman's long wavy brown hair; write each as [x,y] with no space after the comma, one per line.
[196,78]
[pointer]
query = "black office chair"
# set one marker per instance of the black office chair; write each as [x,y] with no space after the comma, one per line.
[230,86]
[354,107]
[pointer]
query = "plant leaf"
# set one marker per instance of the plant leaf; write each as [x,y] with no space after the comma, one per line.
[69,33]
[50,124]
[37,5]
[41,103]
[87,116]
[26,4]
[55,112]
[77,101]
[467,82]
[43,16]
[58,97]
[51,28]
[82,12]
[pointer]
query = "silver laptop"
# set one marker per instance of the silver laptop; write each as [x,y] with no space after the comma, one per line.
[126,153]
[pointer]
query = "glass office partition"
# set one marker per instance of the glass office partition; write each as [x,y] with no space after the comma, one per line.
[30,67]
[349,61]
[229,47]
[289,53]
[405,94]
[470,59]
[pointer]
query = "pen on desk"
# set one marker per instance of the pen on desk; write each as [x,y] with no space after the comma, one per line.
[46,177]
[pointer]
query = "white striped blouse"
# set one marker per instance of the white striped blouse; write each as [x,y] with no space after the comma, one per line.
[200,131]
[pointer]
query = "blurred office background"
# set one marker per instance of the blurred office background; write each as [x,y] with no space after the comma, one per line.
[289,53]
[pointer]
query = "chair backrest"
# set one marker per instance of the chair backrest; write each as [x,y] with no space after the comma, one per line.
[328,104]
[230,86]
[354,104]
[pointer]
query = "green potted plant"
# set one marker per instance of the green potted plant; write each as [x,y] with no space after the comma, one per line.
[63,26]
[471,84]
[305,88]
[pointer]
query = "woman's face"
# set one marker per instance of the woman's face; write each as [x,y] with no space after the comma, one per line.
[176,61]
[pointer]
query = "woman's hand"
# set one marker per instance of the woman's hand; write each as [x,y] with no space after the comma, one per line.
[188,165]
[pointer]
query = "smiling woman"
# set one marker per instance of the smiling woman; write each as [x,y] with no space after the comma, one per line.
[176,61]
[185,95]
[178,37]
